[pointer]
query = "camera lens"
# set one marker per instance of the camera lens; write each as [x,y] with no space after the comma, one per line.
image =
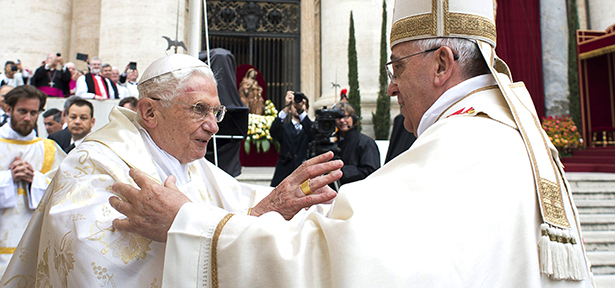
[58,54]
[299,97]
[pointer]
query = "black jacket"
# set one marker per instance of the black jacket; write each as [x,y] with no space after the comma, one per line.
[63,138]
[293,146]
[61,79]
[360,155]
[401,139]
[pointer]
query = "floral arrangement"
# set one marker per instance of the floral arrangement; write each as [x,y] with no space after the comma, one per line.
[563,133]
[258,130]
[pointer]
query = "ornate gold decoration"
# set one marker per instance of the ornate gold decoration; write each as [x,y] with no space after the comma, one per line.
[154,284]
[214,250]
[454,23]
[101,274]
[130,247]
[23,281]
[413,26]
[63,259]
[42,270]
[552,203]
[473,25]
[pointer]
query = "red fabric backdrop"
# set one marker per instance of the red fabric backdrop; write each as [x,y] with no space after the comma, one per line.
[518,29]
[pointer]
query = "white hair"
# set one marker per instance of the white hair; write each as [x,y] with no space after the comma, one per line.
[470,58]
[168,85]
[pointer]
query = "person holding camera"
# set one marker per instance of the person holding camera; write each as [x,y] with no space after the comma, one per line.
[11,76]
[358,151]
[53,77]
[292,130]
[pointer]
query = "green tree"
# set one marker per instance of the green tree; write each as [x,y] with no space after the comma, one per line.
[382,117]
[354,94]
[573,72]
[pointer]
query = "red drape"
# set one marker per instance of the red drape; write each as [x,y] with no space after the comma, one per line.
[518,32]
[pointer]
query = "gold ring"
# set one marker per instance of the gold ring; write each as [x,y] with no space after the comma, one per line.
[305,187]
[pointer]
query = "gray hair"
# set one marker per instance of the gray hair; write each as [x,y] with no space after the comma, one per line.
[69,102]
[167,86]
[470,58]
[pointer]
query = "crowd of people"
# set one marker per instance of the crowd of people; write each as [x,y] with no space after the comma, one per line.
[58,79]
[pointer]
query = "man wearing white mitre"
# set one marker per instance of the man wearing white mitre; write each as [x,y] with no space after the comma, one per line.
[70,241]
[479,200]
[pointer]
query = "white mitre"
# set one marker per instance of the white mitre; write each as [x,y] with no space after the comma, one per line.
[171,63]
[469,19]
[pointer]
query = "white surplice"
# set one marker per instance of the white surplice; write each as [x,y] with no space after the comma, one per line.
[458,209]
[70,241]
[18,200]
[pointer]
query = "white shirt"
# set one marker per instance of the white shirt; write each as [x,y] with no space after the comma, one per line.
[449,97]
[81,88]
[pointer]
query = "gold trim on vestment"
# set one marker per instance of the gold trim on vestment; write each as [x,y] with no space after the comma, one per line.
[597,52]
[21,142]
[21,191]
[50,155]
[6,250]
[214,250]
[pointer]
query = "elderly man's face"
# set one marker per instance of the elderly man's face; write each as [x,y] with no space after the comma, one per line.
[95,66]
[414,90]
[184,134]
[115,75]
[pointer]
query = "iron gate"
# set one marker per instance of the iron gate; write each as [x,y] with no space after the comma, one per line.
[264,34]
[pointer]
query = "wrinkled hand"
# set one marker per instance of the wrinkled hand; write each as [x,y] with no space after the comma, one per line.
[21,170]
[288,198]
[150,210]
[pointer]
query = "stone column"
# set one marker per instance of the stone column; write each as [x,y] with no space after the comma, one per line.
[85,30]
[193,24]
[133,30]
[601,14]
[310,51]
[554,33]
[33,29]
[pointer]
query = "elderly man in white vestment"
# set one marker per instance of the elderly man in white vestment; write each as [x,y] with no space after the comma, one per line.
[70,241]
[26,166]
[479,200]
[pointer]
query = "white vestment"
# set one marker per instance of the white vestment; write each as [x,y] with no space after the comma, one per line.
[70,241]
[18,200]
[458,209]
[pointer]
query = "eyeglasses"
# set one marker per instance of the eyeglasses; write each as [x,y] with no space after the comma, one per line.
[201,109]
[389,65]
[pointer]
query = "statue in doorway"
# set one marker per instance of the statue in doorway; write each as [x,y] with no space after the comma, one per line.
[251,92]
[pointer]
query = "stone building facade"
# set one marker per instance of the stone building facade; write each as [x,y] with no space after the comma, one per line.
[123,31]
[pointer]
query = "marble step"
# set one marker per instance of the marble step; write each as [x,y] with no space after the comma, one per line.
[597,222]
[595,206]
[599,240]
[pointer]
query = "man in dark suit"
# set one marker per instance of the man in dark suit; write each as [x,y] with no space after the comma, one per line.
[63,137]
[401,139]
[292,130]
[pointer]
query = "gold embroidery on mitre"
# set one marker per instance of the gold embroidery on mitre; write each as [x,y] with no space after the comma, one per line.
[446,20]
[473,25]
[552,203]
[413,26]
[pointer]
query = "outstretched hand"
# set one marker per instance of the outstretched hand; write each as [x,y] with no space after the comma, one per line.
[288,198]
[151,209]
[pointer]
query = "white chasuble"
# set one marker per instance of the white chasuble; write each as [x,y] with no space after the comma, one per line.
[18,199]
[70,241]
[458,209]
